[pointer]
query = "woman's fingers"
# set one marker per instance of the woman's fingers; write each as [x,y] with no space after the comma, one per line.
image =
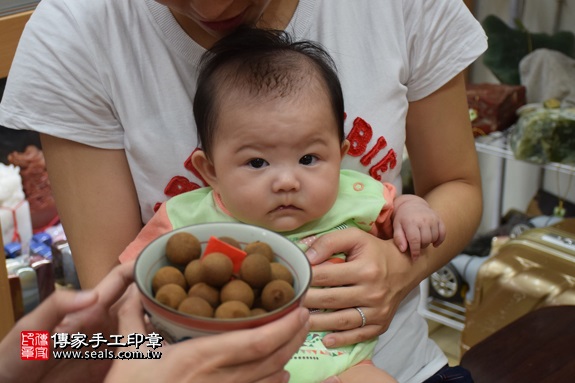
[340,274]
[55,308]
[281,376]
[347,325]
[98,317]
[255,355]
[267,367]
[343,241]
[130,318]
[343,338]
[46,317]
[113,286]
[342,297]
[131,314]
[344,319]
[262,341]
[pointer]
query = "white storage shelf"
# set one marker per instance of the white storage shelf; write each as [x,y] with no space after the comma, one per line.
[496,144]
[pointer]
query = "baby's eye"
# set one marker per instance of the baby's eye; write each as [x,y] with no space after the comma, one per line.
[257,163]
[308,159]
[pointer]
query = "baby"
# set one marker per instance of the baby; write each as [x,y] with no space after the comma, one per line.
[270,115]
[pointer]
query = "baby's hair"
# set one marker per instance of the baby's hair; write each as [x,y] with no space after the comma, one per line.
[263,64]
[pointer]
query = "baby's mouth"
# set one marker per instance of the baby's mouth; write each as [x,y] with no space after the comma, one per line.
[285,207]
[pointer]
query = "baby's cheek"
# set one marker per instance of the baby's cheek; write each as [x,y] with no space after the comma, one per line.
[321,203]
[250,209]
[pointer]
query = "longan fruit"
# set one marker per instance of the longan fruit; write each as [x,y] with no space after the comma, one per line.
[194,272]
[257,311]
[182,248]
[168,274]
[217,269]
[276,294]
[196,306]
[208,293]
[171,295]
[280,271]
[232,309]
[237,290]
[231,241]
[256,270]
[261,248]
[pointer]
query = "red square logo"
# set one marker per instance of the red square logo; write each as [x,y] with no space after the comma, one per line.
[34,345]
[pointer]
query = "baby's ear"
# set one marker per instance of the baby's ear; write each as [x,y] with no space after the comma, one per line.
[344,147]
[204,166]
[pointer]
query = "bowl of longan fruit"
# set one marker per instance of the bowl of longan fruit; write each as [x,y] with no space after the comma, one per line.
[211,278]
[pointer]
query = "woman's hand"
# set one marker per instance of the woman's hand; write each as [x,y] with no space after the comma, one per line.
[85,312]
[375,278]
[255,355]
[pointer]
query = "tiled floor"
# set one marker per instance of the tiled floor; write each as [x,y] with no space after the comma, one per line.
[447,339]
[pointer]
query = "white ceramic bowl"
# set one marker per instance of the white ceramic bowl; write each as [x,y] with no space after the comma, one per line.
[175,326]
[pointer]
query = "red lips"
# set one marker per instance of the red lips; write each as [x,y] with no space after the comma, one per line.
[225,25]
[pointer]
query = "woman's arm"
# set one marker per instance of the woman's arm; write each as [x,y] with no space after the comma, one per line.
[445,168]
[378,276]
[96,201]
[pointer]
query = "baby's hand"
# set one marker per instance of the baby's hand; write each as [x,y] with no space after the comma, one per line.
[416,225]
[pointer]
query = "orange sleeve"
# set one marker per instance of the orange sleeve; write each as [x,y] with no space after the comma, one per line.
[383,227]
[159,224]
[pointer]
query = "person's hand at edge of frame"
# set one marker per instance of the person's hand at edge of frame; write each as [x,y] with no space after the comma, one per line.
[71,312]
[254,355]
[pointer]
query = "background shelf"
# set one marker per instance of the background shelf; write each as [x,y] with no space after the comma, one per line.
[497,144]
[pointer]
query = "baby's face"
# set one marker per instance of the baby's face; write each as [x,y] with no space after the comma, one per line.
[277,162]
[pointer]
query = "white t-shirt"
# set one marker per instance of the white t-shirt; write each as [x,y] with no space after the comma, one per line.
[121,74]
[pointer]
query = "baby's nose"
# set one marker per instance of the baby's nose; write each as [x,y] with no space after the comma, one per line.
[286,180]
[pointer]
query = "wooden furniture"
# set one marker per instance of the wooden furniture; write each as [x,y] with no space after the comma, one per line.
[11,28]
[537,347]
